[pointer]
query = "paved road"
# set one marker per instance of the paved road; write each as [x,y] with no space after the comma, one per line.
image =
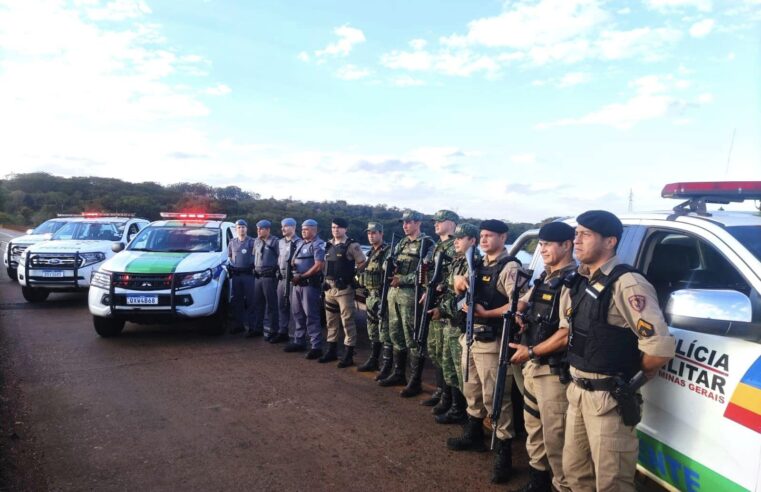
[167,407]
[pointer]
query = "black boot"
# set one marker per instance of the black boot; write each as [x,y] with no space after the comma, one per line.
[330,354]
[503,461]
[445,403]
[416,374]
[387,363]
[436,395]
[294,347]
[314,353]
[397,377]
[457,412]
[472,438]
[539,481]
[371,364]
[348,358]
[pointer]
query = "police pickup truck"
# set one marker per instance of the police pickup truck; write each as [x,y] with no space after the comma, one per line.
[64,263]
[701,426]
[172,271]
[15,247]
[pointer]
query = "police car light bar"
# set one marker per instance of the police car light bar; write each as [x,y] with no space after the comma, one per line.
[98,214]
[714,191]
[184,215]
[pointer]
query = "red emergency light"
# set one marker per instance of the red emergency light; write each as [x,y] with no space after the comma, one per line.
[720,191]
[192,216]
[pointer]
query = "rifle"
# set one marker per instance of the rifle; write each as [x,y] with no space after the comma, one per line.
[419,284]
[509,333]
[470,301]
[421,337]
[382,306]
[289,276]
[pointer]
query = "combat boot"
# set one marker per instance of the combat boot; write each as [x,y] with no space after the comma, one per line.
[330,354]
[436,395]
[472,438]
[294,347]
[371,364]
[539,481]
[348,358]
[314,353]
[387,363]
[457,412]
[445,403]
[414,386]
[503,461]
[397,377]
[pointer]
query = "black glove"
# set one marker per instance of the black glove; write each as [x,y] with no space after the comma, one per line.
[325,286]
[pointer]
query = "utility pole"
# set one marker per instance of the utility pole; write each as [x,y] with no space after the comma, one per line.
[631,200]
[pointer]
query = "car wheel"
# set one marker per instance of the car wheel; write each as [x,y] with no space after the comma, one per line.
[12,273]
[217,323]
[107,327]
[33,294]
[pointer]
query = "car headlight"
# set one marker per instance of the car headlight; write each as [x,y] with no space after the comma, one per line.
[190,280]
[91,258]
[22,260]
[101,279]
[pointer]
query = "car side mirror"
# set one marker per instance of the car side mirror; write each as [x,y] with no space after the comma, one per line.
[117,247]
[709,304]
[29,231]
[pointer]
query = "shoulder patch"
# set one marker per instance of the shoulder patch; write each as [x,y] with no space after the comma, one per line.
[569,312]
[638,302]
[645,329]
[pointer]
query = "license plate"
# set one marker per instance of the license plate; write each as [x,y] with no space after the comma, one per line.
[150,300]
[52,274]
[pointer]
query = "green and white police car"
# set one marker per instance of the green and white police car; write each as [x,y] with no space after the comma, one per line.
[16,246]
[173,270]
[701,425]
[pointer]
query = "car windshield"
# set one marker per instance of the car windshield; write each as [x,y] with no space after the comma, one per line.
[182,239]
[48,227]
[91,231]
[749,236]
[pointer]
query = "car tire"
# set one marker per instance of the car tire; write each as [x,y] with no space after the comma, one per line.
[107,327]
[34,294]
[217,323]
[12,273]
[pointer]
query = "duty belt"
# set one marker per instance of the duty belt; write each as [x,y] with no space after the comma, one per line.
[234,272]
[270,273]
[607,384]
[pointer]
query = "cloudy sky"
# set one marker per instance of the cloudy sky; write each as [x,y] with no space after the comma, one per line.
[513,109]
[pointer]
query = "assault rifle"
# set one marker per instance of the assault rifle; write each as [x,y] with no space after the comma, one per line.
[388,272]
[421,337]
[470,301]
[419,278]
[509,335]
[289,276]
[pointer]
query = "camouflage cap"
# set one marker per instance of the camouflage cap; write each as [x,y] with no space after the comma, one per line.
[443,215]
[466,230]
[374,227]
[411,215]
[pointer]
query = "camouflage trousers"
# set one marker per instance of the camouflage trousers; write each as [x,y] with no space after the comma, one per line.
[435,343]
[377,329]
[452,355]
[401,319]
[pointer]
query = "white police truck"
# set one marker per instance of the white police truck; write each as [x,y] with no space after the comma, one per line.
[174,270]
[701,426]
[16,246]
[65,263]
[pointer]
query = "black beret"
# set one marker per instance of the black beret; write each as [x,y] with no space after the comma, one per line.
[556,232]
[494,225]
[602,222]
[340,222]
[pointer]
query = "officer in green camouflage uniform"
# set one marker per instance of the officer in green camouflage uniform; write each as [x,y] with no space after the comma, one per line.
[401,304]
[453,319]
[445,222]
[371,278]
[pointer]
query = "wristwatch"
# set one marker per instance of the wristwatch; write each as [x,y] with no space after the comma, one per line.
[531,354]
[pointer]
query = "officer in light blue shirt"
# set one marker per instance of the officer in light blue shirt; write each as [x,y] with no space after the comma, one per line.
[265,271]
[287,247]
[240,256]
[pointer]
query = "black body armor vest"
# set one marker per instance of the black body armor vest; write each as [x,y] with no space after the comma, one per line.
[339,267]
[487,294]
[593,344]
[543,317]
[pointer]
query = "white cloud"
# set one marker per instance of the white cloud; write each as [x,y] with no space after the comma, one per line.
[348,38]
[731,56]
[418,44]
[574,78]
[523,159]
[352,72]
[644,42]
[119,10]
[218,90]
[413,61]
[671,5]
[705,98]
[406,81]
[702,28]
[303,56]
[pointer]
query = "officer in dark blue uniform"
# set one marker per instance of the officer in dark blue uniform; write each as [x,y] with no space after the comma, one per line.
[240,255]
[265,271]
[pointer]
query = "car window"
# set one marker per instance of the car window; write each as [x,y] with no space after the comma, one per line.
[229,235]
[177,239]
[91,231]
[48,227]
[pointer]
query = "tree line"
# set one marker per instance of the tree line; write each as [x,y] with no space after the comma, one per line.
[29,199]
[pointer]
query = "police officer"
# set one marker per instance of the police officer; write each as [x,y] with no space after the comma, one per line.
[615,330]
[240,257]
[411,250]
[307,278]
[453,319]
[265,271]
[444,222]
[372,280]
[342,255]
[546,369]
[287,247]
[496,275]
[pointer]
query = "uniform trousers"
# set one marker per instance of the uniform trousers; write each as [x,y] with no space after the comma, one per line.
[377,329]
[339,310]
[242,300]
[401,319]
[305,309]
[283,309]
[265,298]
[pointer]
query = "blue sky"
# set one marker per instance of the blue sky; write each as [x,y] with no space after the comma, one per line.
[517,109]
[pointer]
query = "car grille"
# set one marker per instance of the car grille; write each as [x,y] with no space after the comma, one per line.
[140,281]
[51,260]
